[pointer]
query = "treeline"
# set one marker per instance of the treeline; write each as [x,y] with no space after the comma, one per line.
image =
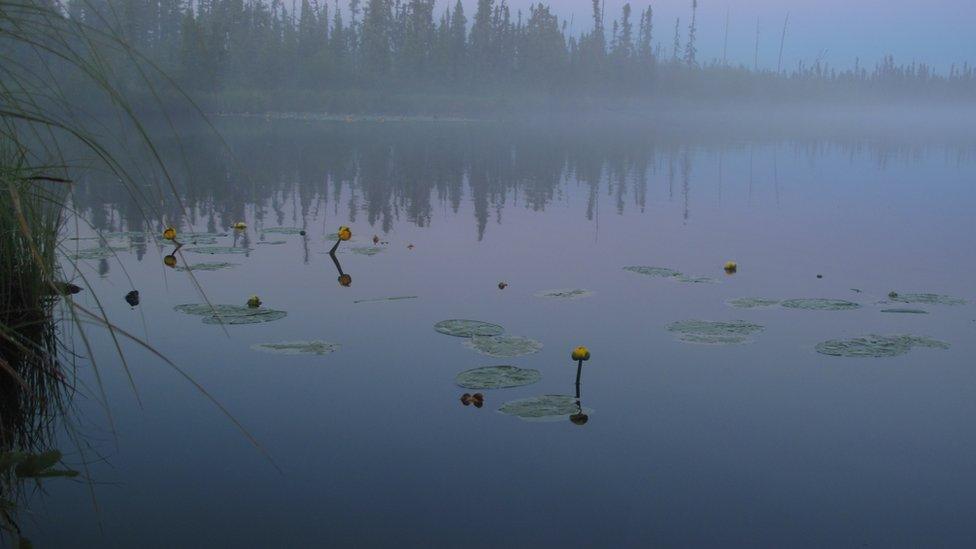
[228,47]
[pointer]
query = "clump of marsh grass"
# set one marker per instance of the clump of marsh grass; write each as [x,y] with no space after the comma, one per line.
[45,59]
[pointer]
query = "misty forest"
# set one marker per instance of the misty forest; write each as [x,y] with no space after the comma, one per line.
[487,273]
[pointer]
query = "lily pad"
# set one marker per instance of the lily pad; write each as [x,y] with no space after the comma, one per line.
[102,252]
[213,250]
[692,279]
[202,240]
[497,377]
[284,230]
[503,346]
[298,347]
[752,302]
[231,314]
[657,272]
[930,299]
[272,242]
[821,304]
[574,293]
[191,235]
[874,345]
[383,299]
[207,266]
[468,328]
[543,408]
[709,332]
[905,311]
[365,250]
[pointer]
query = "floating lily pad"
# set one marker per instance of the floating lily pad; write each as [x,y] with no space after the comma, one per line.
[231,314]
[658,272]
[191,235]
[468,328]
[930,299]
[284,230]
[272,242]
[905,311]
[298,347]
[821,304]
[207,266]
[215,250]
[497,377]
[692,279]
[102,252]
[383,299]
[503,346]
[574,293]
[365,250]
[709,332]
[543,408]
[202,240]
[874,345]
[752,302]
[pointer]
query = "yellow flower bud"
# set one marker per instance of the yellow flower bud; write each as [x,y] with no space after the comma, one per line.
[254,302]
[731,267]
[581,353]
[169,261]
[169,233]
[345,233]
[240,225]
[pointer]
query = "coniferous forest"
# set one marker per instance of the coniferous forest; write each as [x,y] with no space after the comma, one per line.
[401,54]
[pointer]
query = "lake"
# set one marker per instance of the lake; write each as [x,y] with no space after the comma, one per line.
[692,438]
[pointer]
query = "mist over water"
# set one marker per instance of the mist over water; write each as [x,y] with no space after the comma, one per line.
[483,273]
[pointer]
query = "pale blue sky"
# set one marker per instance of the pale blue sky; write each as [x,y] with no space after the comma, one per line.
[935,31]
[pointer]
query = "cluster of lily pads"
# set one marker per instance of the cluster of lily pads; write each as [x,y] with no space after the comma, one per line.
[741,331]
[490,339]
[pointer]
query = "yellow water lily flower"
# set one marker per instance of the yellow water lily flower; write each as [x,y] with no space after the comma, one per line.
[240,225]
[254,302]
[169,233]
[345,233]
[581,353]
[731,266]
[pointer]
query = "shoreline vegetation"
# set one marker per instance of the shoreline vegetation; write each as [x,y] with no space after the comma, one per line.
[421,57]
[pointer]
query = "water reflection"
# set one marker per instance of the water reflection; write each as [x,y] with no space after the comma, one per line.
[285,171]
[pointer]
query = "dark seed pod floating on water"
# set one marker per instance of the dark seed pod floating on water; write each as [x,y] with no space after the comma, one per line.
[132,298]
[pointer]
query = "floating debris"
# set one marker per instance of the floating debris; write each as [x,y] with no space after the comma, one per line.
[819,276]
[283,230]
[497,377]
[383,299]
[503,346]
[207,266]
[543,408]
[821,304]
[574,293]
[132,298]
[658,272]
[468,328]
[215,250]
[905,311]
[410,246]
[929,299]
[319,348]
[502,285]
[365,250]
[877,346]
[477,399]
[751,302]
[231,314]
[732,332]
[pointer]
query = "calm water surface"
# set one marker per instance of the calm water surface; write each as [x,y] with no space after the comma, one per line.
[762,444]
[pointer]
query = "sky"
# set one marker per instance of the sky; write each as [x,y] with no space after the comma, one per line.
[938,32]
